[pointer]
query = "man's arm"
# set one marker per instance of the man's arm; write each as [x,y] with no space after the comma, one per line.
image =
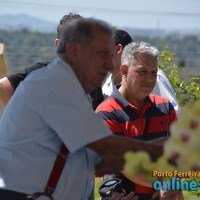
[6,90]
[112,149]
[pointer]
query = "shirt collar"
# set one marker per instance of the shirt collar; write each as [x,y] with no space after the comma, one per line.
[120,99]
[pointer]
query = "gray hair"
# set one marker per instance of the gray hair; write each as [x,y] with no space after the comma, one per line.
[80,29]
[131,50]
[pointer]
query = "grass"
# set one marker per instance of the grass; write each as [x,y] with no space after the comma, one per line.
[97,184]
[187,195]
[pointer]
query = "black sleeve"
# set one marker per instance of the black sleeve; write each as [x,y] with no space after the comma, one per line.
[16,78]
[97,97]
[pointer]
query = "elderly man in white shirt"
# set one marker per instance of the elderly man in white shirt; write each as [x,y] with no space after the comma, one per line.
[50,138]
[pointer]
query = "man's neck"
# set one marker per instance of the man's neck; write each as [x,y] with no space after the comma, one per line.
[117,78]
[132,100]
[137,103]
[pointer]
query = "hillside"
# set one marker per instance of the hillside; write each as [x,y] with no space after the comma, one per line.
[22,21]
[25,48]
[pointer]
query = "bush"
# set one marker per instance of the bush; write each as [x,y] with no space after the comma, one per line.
[185,90]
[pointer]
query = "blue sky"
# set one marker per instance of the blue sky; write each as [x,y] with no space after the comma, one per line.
[169,14]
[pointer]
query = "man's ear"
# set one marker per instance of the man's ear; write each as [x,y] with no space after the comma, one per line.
[72,51]
[124,70]
[119,49]
[56,42]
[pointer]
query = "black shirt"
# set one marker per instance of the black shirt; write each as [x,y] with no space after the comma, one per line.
[16,78]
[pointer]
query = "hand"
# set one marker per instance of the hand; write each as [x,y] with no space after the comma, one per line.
[180,195]
[156,194]
[168,195]
[172,195]
[117,196]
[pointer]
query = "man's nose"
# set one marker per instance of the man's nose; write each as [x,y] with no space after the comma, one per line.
[150,77]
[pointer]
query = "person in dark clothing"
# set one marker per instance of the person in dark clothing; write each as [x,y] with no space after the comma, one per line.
[16,78]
